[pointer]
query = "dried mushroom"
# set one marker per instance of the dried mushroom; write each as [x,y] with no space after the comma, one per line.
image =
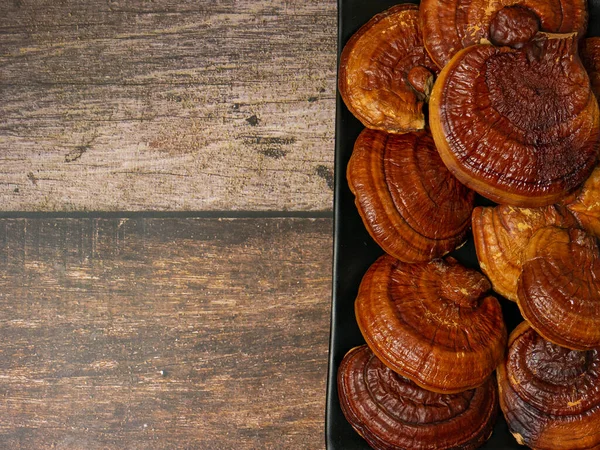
[385,74]
[585,206]
[452,25]
[550,395]
[431,322]
[412,206]
[391,412]
[518,126]
[501,235]
[559,287]
[590,57]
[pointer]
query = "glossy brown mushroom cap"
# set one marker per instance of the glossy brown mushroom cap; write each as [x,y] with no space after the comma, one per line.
[586,204]
[412,206]
[501,235]
[391,412]
[431,322]
[451,25]
[520,127]
[559,287]
[550,395]
[374,72]
[590,57]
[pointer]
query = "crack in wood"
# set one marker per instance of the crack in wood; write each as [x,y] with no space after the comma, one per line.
[76,153]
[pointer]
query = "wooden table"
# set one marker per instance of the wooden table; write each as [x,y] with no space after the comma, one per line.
[166,186]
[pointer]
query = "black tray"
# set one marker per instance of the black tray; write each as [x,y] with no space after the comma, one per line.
[354,250]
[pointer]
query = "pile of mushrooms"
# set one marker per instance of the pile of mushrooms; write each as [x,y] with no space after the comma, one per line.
[496,98]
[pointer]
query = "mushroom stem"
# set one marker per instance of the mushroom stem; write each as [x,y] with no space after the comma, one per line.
[421,80]
[513,26]
[463,287]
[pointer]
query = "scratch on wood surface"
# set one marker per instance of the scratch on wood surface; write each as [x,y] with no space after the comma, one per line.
[76,153]
[31,177]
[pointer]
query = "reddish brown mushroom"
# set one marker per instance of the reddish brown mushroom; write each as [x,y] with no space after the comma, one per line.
[585,206]
[550,395]
[385,74]
[412,206]
[431,322]
[590,56]
[559,287]
[449,26]
[520,127]
[391,412]
[501,235]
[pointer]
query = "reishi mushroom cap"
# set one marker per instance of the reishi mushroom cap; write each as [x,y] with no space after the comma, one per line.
[559,287]
[550,395]
[521,126]
[391,412]
[585,205]
[589,51]
[451,25]
[431,322]
[385,74]
[501,234]
[412,206]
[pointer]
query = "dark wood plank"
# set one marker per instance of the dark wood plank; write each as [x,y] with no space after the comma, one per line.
[167,104]
[163,333]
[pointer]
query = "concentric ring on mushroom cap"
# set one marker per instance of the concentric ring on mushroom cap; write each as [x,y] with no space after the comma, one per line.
[559,287]
[501,235]
[390,411]
[520,127]
[431,322]
[412,206]
[374,71]
[550,395]
[451,25]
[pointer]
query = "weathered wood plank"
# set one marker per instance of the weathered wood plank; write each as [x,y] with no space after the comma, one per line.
[163,333]
[167,105]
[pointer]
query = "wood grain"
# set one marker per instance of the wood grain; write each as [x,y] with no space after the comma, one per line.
[167,104]
[163,333]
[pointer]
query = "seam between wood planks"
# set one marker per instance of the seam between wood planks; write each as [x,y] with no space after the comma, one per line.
[321,214]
